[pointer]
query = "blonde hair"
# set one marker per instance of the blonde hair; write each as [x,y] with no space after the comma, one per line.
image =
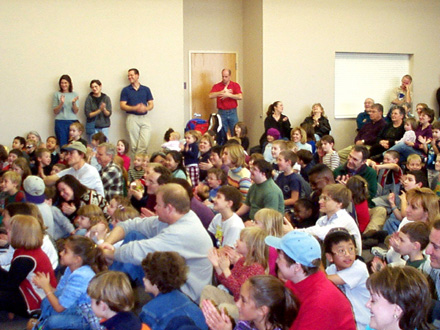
[195,134]
[114,289]
[414,157]
[236,154]
[94,213]
[302,132]
[175,135]
[281,143]
[14,177]
[78,126]
[272,221]
[427,199]
[258,251]
[26,232]
[208,138]
[318,105]
[123,213]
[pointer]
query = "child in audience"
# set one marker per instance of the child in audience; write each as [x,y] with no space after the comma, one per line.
[57,168]
[310,133]
[112,300]
[253,255]
[42,164]
[432,150]
[389,173]
[165,273]
[240,131]
[411,241]
[87,217]
[123,213]
[226,225]
[174,162]
[331,156]
[348,273]
[64,306]
[414,163]
[288,181]
[75,131]
[435,184]
[62,225]
[305,214]
[115,202]
[52,145]
[137,171]
[214,181]
[272,135]
[173,143]
[123,147]
[272,222]
[299,136]
[10,187]
[410,136]
[304,163]
[190,153]
[359,191]
[21,166]
[19,143]
[12,156]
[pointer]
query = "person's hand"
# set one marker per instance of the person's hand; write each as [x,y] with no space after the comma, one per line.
[62,98]
[102,106]
[214,319]
[224,262]
[377,264]
[402,197]
[359,143]
[422,139]
[232,255]
[68,208]
[75,99]
[42,280]
[392,199]
[147,213]
[213,257]
[98,231]
[285,118]
[342,179]
[109,255]
[106,246]
[409,143]
[206,165]
[395,241]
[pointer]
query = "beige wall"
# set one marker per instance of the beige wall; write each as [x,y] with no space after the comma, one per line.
[88,40]
[301,37]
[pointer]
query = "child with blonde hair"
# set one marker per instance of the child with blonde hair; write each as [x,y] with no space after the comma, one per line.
[89,216]
[190,152]
[137,172]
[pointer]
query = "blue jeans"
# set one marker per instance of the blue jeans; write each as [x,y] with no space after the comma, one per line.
[229,119]
[62,130]
[104,130]
[391,225]
[70,318]
[404,151]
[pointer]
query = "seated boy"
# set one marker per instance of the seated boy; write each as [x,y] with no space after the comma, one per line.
[75,131]
[348,273]
[411,241]
[10,187]
[215,180]
[42,163]
[432,150]
[226,225]
[288,181]
[112,300]
[277,147]
[165,273]
[52,145]
[12,156]
[331,156]
[389,173]
[414,163]
[305,163]
[305,214]
[137,172]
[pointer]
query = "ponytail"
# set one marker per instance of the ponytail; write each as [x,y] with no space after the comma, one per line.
[90,254]
[271,108]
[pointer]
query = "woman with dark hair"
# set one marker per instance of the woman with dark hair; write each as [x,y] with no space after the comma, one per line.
[98,109]
[72,194]
[65,107]
[318,120]
[205,145]
[400,299]
[276,119]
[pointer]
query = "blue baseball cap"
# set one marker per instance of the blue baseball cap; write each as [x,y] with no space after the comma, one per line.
[298,245]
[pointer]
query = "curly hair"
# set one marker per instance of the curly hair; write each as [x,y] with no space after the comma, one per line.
[167,270]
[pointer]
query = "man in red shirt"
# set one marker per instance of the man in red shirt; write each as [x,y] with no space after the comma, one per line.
[227,93]
[322,305]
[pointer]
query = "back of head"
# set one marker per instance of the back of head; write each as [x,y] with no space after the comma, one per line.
[87,250]
[359,188]
[25,232]
[175,195]
[114,289]
[305,155]
[282,305]
[272,221]
[167,270]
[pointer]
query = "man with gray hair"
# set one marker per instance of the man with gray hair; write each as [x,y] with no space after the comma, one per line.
[111,174]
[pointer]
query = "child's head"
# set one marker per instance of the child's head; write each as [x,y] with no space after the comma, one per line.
[333,198]
[31,145]
[422,205]
[164,272]
[319,150]
[116,202]
[11,182]
[290,145]
[191,136]
[174,136]
[391,157]
[413,237]
[286,159]
[240,129]
[277,147]
[216,177]
[137,161]
[123,213]
[272,134]
[436,130]
[57,168]
[304,209]
[80,251]
[228,197]
[122,147]
[13,155]
[266,297]
[98,138]
[89,215]
[25,232]
[252,247]
[359,188]
[327,143]
[304,156]
[19,143]
[410,124]
[21,166]
[110,290]
[270,220]
[51,143]
[310,131]
[298,135]
[43,156]
[75,131]
[414,179]
[340,248]
[414,162]
[174,161]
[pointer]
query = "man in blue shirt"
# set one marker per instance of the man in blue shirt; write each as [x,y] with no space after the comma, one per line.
[137,101]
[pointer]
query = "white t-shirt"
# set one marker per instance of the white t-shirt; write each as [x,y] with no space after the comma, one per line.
[87,175]
[226,232]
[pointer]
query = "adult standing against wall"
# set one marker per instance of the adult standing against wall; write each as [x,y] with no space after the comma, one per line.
[137,101]
[98,109]
[227,93]
[276,119]
[65,107]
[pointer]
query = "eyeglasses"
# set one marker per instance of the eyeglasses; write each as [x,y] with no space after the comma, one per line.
[325,198]
[345,252]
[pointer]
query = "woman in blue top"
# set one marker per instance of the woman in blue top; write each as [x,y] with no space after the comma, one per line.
[65,107]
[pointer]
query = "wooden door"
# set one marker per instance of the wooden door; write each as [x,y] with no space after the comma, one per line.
[206,70]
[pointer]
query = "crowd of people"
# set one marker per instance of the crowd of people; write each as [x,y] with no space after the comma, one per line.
[219,235]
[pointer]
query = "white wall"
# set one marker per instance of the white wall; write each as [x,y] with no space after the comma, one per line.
[88,40]
[301,37]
